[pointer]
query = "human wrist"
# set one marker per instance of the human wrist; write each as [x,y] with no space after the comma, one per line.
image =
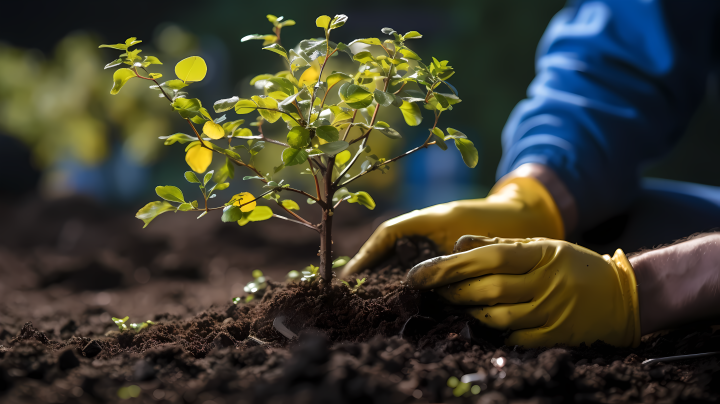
[677,284]
[564,200]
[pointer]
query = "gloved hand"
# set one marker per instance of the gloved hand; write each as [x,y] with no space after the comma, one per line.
[518,207]
[546,291]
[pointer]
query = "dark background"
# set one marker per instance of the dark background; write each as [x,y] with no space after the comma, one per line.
[491,45]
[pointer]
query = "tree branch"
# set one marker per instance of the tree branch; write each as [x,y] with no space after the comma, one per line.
[295,221]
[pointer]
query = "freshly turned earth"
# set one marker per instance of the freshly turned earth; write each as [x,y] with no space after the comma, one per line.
[66,267]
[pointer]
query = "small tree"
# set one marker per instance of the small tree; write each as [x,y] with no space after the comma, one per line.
[317,140]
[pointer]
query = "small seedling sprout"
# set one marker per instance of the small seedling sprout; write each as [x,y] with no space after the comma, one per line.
[254,288]
[137,327]
[330,117]
[358,284]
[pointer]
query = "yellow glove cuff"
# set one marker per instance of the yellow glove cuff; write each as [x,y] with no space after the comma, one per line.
[628,283]
[535,198]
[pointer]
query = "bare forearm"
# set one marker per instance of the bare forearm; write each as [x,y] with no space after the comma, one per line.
[679,284]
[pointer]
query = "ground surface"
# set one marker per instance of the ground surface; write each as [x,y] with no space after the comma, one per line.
[67,267]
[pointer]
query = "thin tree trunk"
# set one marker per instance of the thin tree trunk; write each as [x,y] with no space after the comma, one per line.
[326,227]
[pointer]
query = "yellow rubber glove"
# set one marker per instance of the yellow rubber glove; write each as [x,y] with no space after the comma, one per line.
[518,207]
[546,291]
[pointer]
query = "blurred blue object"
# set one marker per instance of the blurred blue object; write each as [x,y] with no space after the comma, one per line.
[119,179]
[617,83]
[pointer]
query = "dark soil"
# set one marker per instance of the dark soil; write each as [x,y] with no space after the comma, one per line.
[66,267]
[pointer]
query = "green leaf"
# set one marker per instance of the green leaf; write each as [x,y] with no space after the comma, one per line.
[257,36]
[337,77]
[468,151]
[333,148]
[259,78]
[455,134]
[408,53]
[191,177]
[364,57]
[362,198]
[277,49]
[439,138]
[191,69]
[323,22]
[411,113]
[226,104]
[387,99]
[170,193]
[411,35]
[387,31]
[386,130]
[290,204]
[116,62]
[120,77]
[340,261]
[150,211]
[231,213]
[132,41]
[298,137]
[355,96]
[328,133]
[245,107]
[222,186]
[152,60]
[369,41]
[207,177]
[344,48]
[118,46]
[338,21]
[185,207]
[292,156]
[260,213]
[232,126]
[170,85]
[178,137]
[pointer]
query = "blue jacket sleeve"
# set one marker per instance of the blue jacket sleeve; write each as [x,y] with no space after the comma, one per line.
[617,82]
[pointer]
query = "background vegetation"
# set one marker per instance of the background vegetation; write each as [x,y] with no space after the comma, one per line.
[57,101]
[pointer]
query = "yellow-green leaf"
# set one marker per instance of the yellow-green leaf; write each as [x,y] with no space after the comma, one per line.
[342,158]
[260,213]
[198,158]
[150,211]
[213,130]
[290,204]
[245,107]
[155,75]
[268,107]
[191,69]
[411,113]
[468,152]
[323,21]
[120,77]
[362,198]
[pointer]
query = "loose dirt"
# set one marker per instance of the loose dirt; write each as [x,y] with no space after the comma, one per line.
[384,344]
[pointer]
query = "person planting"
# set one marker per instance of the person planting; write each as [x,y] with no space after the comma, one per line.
[616,84]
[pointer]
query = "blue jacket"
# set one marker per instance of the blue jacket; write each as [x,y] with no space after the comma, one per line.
[617,82]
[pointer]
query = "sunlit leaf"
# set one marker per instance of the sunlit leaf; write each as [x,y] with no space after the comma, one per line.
[268,108]
[321,22]
[213,130]
[412,34]
[245,107]
[362,198]
[150,211]
[260,213]
[386,99]
[298,137]
[178,137]
[411,113]
[119,46]
[439,138]
[386,130]
[468,151]
[170,193]
[338,21]
[151,60]
[120,77]
[336,78]
[290,204]
[355,96]
[244,199]
[342,158]
[198,158]
[191,69]
[155,76]
[277,49]
[231,214]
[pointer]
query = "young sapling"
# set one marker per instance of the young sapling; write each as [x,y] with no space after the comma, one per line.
[321,110]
